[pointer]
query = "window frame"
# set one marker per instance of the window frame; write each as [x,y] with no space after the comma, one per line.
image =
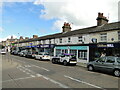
[103,36]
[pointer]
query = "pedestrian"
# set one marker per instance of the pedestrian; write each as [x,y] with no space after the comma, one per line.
[103,55]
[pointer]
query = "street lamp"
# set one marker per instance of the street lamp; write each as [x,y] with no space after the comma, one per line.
[18,39]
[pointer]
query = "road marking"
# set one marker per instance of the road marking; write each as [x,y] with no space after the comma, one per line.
[32,75]
[44,69]
[84,82]
[27,73]
[28,66]
[53,81]
[17,79]
[20,61]
[41,67]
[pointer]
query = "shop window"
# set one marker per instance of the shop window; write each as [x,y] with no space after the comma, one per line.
[103,37]
[82,55]
[119,35]
[58,51]
[80,39]
[73,52]
[60,40]
[69,40]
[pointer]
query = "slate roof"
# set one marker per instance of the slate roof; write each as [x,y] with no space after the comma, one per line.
[88,30]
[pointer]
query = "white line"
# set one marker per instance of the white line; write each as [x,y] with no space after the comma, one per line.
[45,69]
[16,79]
[27,73]
[41,67]
[20,61]
[32,75]
[53,81]
[83,82]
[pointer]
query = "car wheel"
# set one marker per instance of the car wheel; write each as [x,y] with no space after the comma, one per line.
[117,73]
[35,58]
[40,58]
[65,63]
[90,68]
[53,61]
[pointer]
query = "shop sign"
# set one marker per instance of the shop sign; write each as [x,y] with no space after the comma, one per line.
[46,46]
[110,45]
[94,40]
[105,45]
[101,45]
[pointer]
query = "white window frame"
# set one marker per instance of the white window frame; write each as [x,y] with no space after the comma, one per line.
[69,39]
[80,39]
[60,40]
[103,36]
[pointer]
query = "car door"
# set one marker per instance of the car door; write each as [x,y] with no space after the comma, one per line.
[99,64]
[109,64]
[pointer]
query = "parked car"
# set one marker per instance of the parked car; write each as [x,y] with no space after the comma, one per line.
[65,59]
[29,54]
[42,56]
[23,53]
[107,64]
[3,51]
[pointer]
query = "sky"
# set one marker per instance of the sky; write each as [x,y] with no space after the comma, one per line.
[43,17]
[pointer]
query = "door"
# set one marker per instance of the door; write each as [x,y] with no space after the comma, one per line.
[99,64]
[109,64]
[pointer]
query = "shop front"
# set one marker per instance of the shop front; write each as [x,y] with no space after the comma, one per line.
[81,52]
[109,49]
[49,48]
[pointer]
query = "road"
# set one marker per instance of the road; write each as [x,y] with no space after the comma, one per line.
[21,72]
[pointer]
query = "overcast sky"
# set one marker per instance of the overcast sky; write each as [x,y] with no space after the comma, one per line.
[45,17]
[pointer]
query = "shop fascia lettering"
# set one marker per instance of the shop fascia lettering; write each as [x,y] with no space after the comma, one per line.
[105,45]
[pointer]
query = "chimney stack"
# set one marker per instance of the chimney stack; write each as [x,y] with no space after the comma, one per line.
[35,36]
[26,37]
[101,19]
[66,27]
[21,37]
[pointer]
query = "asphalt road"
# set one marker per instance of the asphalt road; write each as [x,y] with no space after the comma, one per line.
[21,72]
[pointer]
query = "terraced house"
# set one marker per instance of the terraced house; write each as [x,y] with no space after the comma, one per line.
[87,43]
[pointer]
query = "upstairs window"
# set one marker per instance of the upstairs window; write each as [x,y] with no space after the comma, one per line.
[60,40]
[103,37]
[69,40]
[119,35]
[49,41]
[80,39]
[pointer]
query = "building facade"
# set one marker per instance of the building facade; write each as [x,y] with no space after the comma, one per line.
[87,43]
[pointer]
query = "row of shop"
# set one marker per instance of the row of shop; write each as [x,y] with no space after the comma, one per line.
[84,53]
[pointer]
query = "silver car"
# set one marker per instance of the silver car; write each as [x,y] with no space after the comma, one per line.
[107,63]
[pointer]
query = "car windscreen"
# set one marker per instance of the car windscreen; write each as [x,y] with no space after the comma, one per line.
[118,59]
[46,54]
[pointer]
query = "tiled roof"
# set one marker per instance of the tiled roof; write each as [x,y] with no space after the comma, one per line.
[94,29]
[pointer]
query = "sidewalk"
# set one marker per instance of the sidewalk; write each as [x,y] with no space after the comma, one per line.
[82,64]
[7,64]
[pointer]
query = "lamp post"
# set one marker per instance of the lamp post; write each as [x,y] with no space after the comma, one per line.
[18,39]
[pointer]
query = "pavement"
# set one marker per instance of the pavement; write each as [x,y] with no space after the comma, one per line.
[82,64]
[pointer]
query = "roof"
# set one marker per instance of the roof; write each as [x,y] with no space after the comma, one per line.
[88,30]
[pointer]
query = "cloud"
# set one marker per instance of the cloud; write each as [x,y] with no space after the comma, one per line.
[8,37]
[82,13]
